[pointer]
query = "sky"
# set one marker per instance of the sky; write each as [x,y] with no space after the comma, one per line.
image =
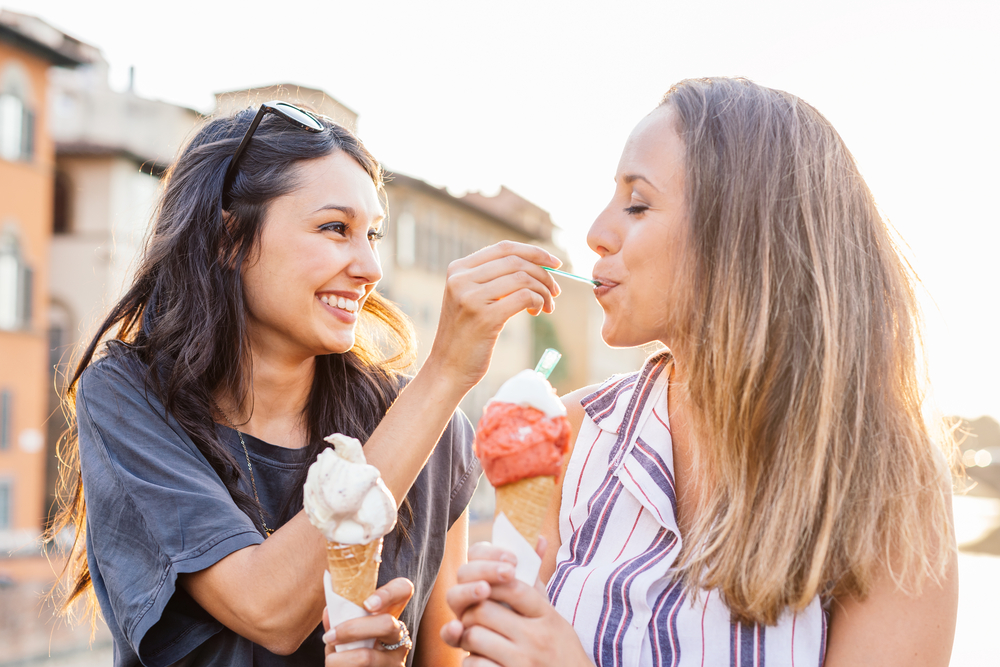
[540,96]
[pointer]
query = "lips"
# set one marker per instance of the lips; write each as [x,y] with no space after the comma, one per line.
[605,286]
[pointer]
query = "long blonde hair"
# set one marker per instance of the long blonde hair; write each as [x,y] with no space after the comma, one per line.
[801,354]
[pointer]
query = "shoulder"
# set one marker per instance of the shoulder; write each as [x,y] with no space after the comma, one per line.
[574,407]
[113,381]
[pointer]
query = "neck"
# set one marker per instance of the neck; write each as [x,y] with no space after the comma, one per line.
[274,410]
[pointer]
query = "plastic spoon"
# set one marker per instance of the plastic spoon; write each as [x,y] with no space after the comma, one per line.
[570,275]
[550,358]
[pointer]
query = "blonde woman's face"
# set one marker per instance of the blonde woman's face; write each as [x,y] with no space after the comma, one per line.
[317,261]
[641,238]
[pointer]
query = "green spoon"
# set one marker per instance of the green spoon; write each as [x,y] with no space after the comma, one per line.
[550,358]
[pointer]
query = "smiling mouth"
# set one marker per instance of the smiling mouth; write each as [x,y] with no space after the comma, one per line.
[335,301]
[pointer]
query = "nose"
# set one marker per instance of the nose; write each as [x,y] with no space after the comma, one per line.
[601,237]
[367,265]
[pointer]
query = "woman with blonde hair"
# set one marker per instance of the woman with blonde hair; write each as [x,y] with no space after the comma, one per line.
[766,489]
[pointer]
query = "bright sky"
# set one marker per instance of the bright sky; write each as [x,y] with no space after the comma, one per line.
[540,96]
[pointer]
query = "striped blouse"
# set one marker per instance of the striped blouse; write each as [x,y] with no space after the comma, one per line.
[614,580]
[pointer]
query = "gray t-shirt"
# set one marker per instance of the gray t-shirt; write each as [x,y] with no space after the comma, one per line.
[156,509]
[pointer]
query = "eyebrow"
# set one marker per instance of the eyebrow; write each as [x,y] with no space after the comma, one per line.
[629,179]
[347,210]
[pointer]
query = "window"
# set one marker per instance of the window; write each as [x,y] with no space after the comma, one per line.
[406,240]
[17,121]
[6,496]
[15,284]
[6,418]
[61,204]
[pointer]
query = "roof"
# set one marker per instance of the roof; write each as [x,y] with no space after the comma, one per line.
[474,203]
[38,38]
[86,149]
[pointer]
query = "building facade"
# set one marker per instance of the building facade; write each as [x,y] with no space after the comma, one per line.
[28,49]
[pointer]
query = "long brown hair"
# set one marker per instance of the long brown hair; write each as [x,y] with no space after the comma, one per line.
[817,471]
[184,320]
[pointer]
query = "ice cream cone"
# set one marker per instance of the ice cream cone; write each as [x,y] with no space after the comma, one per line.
[354,569]
[525,503]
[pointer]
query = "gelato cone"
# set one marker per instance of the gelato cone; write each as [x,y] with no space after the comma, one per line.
[347,501]
[354,569]
[521,441]
[525,503]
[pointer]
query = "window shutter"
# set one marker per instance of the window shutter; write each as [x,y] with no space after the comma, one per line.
[27,135]
[6,417]
[24,297]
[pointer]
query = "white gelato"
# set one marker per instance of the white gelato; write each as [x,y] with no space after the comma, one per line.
[530,389]
[345,497]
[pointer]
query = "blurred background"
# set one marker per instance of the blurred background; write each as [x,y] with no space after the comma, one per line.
[497,121]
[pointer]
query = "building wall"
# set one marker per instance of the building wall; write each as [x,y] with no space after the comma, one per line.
[441,230]
[25,212]
[110,207]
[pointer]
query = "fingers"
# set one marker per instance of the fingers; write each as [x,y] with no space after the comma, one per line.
[451,633]
[380,626]
[489,551]
[490,571]
[485,644]
[512,264]
[523,290]
[523,599]
[391,598]
[365,657]
[531,253]
[462,596]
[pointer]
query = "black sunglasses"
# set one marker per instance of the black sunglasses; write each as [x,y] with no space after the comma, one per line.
[291,113]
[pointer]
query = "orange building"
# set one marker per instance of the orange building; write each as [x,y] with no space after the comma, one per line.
[28,48]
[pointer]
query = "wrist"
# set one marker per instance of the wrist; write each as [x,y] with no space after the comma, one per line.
[444,379]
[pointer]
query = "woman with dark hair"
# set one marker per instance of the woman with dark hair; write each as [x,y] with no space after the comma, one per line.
[765,490]
[207,390]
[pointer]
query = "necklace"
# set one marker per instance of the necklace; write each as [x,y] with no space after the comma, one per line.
[253,481]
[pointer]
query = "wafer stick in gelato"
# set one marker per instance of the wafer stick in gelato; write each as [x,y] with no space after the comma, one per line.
[347,501]
[521,441]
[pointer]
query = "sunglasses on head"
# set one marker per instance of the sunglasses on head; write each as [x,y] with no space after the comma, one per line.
[294,115]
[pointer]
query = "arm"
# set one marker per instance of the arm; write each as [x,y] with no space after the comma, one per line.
[430,650]
[269,593]
[483,291]
[892,629]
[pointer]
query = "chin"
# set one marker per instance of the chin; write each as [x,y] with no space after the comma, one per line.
[338,347]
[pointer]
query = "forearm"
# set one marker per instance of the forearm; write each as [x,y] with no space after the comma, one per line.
[430,649]
[271,593]
[405,438]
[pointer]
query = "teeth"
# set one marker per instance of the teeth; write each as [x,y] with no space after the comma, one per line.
[349,305]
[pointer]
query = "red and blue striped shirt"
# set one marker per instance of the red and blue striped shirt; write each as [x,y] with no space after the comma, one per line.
[614,579]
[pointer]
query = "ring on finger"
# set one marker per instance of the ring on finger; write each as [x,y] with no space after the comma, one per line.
[404,640]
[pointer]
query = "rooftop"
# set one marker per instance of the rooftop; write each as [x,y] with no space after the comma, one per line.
[40,39]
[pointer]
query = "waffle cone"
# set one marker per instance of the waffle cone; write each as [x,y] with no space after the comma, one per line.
[525,503]
[354,569]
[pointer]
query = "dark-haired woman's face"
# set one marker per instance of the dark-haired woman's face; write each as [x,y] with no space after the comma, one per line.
[317,261]
[641,238]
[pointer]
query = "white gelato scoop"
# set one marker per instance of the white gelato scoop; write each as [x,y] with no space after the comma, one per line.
[530,389]
[345,497]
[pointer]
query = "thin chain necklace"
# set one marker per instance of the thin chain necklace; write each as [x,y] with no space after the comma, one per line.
[253,481]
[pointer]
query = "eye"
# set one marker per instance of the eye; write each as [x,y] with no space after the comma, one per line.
[375,235]
[338,227]
[636,210]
